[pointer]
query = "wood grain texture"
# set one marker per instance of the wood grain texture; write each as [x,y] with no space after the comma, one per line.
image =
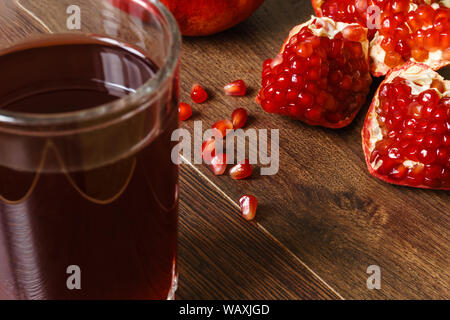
[322,205]
[222,256]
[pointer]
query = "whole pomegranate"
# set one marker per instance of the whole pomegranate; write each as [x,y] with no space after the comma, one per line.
[205,17]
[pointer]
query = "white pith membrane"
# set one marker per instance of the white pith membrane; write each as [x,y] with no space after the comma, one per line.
[377,53]
[419,77]
[321,27]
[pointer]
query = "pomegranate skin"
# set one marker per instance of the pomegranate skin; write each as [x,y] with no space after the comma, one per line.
[368,129]
[206,17]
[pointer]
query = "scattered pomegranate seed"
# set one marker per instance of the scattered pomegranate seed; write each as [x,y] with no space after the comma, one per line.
[184,111]
[242,170]
[248,206]
[198,94]
[236,88]
[208,150]
[239,118]
[219,164]
[222,126]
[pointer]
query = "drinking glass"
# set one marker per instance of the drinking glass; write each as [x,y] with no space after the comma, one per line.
[88,195]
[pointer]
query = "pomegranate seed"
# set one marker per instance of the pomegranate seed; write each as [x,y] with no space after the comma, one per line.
[393,59]
[239,118]
[184,111]
[219,164]
[248,204]
[208,150]
[304,50]
[419,54]
[222,126]
[354,33]
[429,98]
[236,88]
[198,94]
[242,170]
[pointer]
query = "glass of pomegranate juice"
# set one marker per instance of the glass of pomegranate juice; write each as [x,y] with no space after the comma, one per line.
[88,190]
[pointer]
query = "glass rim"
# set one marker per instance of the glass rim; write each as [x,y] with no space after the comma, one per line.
[124,104]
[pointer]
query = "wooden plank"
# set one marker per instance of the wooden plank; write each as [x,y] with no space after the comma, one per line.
[322,205]
[222,256]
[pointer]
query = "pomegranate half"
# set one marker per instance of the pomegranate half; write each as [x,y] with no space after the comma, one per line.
[321,75]
[406,134]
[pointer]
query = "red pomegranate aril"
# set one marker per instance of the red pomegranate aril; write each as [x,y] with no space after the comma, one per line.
[446,140]
[239,118]
[398,172]
[198,94]
[208,150]
[398,6]
[393,59]
[432,141]
[433,171]
[248,205]
[223,126]
[184,111]
[431,40]
[419,54]
[304,50]
[425,14]
[415,176]
[236,88]
[219,164]
[306,99]
[429,98]
[242,170]
[269,106]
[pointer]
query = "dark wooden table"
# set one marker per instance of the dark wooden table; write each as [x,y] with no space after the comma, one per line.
[322,220]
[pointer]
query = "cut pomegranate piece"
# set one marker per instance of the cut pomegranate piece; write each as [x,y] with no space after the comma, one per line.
[409,30]
[406,134]
[248,204]
[236,88]
[219,164]
[321,75]
[184,111]
[418,33]
[198,94]
[239,118]
[242,170]
[222,126]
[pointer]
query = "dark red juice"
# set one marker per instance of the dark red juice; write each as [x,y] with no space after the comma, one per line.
[113,218]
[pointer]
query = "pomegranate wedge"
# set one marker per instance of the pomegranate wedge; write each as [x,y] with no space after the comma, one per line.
[406,134]
[408,30]
[321,76]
